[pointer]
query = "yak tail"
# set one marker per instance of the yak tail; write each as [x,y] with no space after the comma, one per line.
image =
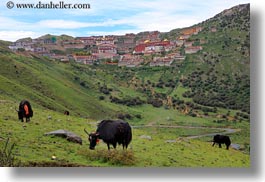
[86,131]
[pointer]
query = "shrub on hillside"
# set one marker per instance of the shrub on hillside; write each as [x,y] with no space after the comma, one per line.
[128,101]
[113,157]
[139,116]
[155,102]
[105,90]
[124,116]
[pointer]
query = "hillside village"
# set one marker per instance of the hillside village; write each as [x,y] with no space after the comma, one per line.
[126,50]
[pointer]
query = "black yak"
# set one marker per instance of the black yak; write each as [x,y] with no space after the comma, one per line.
[25,111]
[111,132]
[222,139]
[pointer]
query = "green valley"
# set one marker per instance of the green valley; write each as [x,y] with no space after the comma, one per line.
[208,92]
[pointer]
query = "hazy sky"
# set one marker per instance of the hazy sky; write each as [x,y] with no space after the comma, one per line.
[106,17]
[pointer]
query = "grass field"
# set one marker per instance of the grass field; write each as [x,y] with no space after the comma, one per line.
[164,147]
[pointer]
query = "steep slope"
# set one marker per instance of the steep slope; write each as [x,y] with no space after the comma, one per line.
[48,84]
[219,75]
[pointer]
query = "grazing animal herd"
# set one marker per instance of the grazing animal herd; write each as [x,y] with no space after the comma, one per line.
[112,132]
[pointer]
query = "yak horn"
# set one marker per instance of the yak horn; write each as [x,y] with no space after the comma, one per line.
[86,131]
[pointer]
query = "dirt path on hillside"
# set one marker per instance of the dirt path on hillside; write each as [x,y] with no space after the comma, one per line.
[222,130]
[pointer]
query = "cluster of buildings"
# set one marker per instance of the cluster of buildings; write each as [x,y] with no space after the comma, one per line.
[32,45]
[85,59]
[127,50]
[183,40]
[166,60]
[149,47]
[130,60]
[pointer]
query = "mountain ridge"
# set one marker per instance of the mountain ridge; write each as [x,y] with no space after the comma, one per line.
[227,12]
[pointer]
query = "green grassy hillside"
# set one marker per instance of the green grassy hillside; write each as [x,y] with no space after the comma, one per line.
[207,93]
[219,74]
[53,87]
[165,147]
[49,84]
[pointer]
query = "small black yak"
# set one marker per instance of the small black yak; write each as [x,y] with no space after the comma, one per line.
[222,139]
[111,132]
[67,113]
[25,111]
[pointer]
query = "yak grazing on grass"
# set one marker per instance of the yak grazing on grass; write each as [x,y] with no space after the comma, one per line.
[25,111]
[111,132]
[222,139]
